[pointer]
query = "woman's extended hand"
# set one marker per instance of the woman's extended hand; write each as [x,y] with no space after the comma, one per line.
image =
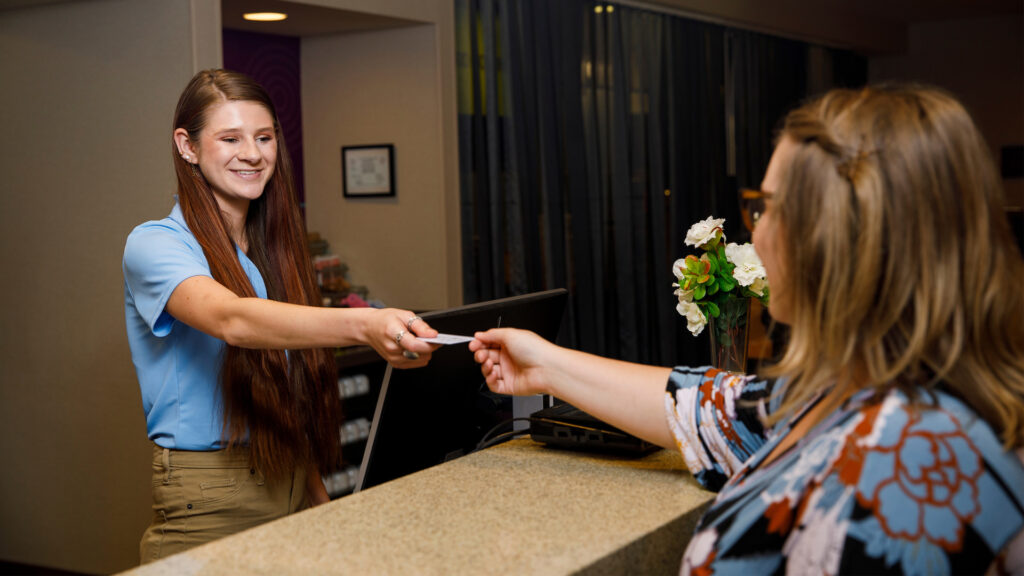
[392,333]
[512,361]
[628,396]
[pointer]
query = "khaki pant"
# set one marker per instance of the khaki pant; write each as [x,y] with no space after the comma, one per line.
[202,496]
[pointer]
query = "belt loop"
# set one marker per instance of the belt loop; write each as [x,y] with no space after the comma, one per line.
[167,466]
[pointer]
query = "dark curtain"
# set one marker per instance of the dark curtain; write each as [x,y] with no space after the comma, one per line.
[591,137]
[654,158]
[768,78]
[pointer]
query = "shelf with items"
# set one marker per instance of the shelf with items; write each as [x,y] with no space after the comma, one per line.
[332,277]
[360,368]
[360,373]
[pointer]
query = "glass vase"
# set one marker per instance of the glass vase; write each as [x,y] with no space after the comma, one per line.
[729,335]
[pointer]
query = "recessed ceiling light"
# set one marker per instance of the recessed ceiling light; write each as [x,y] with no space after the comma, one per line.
[264,16]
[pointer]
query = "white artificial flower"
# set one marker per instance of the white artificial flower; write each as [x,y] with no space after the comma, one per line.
[748,265]
[684,296]
[677,268]
[758,286]
[695,319]
[702,232]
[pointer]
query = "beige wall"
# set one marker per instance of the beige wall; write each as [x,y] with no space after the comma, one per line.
[982,62]
[88,91]
[376,88]
[392,86]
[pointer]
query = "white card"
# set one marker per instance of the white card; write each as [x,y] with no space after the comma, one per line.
[447,339]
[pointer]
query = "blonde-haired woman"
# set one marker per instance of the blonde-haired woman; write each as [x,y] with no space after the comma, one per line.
[889,436]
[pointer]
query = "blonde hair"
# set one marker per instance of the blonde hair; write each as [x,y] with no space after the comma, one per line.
[898,254]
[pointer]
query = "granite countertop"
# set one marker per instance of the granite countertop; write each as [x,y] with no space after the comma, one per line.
[518,507]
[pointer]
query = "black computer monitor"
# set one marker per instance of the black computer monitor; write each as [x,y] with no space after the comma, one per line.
[433,414]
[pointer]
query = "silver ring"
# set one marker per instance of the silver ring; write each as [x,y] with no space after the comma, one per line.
[398,337]
[410,354]
[408,323]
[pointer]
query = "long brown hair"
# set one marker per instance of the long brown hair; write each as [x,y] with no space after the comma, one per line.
[899,256]
[287,404]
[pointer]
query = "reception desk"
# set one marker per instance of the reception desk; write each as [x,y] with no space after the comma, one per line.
[516,508]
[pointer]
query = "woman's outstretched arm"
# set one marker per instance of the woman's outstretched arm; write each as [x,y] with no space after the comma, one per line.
[208,306]
[628,396]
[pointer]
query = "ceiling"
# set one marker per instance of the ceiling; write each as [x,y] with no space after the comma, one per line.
[911,11]
[12,4]
[308,20]
[303,19]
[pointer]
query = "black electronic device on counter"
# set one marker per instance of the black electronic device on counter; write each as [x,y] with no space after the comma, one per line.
[565,426]
[429,415]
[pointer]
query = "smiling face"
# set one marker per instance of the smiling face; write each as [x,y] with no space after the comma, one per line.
[236,152]
[768,233]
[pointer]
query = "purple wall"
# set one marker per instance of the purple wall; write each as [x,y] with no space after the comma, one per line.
[273,61]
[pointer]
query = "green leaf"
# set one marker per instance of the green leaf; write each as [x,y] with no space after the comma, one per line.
[712,287]
[713,309]
[698,292]
[728,283]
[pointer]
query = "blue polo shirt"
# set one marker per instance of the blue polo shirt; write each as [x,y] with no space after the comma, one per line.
[178,367]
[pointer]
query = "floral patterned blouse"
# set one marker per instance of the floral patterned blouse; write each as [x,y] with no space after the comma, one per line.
[878,487]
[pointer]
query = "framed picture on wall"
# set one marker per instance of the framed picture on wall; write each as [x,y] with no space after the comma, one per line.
[368,170]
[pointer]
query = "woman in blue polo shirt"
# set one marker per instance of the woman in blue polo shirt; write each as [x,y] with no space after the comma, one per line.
[229,342]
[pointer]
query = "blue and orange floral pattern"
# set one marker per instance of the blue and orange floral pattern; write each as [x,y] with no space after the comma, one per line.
[882,485]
